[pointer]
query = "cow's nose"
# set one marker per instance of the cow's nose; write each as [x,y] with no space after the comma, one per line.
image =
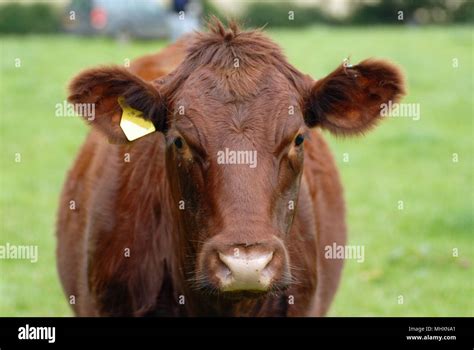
[246,271]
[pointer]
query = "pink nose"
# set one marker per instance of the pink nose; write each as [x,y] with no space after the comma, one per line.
[248,269]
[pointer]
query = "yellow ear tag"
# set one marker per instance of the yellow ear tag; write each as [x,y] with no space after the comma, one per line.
[132,123]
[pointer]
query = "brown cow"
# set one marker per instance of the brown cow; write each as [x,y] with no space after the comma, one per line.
[170,225]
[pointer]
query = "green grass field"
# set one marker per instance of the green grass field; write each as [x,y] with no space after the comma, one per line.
[408,252]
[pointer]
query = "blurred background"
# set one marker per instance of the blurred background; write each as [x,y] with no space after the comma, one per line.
[125,19]
[408,184]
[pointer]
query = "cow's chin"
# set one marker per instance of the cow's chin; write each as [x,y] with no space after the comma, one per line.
[273,290]
[216,289]
[244,294]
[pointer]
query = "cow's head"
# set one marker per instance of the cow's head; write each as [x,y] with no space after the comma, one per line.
[235,116]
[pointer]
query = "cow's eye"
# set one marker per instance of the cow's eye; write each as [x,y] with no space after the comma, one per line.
[299,139]
[178,142]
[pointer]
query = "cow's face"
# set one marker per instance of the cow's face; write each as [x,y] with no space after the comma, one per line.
[234,153]
[236,164]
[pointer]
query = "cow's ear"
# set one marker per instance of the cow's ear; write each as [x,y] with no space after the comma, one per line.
[100,89]
[349,100]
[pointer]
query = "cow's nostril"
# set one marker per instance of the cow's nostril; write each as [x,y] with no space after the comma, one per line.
[250,271]
[223,272]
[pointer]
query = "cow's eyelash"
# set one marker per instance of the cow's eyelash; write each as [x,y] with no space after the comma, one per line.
[286,146]
[178,142]
[299,139]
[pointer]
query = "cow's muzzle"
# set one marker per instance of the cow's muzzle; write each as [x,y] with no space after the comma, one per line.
[254,268]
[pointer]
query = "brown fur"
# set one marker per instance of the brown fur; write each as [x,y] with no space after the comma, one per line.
[134,205]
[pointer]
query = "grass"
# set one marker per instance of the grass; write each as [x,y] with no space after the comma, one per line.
[408,252]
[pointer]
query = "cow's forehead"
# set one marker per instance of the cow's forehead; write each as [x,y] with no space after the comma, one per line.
[237,100]
[240,124]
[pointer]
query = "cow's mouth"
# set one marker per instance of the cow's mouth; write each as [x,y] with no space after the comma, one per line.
[206,287]
[243,294]
[209,289]
[252,294]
